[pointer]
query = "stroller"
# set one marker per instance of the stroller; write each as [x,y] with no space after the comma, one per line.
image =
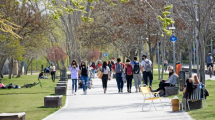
[88,84]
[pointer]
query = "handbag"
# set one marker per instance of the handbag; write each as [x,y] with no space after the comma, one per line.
[101,73]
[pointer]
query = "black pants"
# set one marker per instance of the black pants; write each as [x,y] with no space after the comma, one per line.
[129,81]
[145,77]
[53,75]
[162,85]
[104,80]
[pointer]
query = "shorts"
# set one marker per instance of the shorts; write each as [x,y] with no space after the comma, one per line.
[210,64]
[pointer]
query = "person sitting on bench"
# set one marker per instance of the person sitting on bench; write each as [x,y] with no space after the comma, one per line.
[41,75]
[171,81]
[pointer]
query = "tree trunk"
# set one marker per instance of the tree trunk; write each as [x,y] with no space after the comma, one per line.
[123,59]
[20,64]
[10,68]
[162,53]
[27,66]
[202,59]
[1,66]
[132,54]
[190,57]
[63,63]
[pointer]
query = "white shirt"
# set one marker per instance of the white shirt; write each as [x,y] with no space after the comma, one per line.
[52,68]
[143,63]
[106,70]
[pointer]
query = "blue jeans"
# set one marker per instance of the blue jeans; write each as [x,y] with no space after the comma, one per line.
[146,75]
[84,80]
[74,83]
[93,71]
[119,81]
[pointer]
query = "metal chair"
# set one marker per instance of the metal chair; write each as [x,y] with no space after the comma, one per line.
[153,96]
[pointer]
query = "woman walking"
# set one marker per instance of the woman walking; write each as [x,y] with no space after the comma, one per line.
[52,68]
[129,74]
[73,68]
[110,66]
[93,66]
[106,74]
[84,76]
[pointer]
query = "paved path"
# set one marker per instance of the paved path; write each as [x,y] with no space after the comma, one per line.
[111,106]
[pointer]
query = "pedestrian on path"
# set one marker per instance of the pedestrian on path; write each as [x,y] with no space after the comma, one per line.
[146,69]
[84,76]
[73,68]
[129,74]
[106,75]
[93,66]
[136,74]
[110,66]
[118,69]
[53,71]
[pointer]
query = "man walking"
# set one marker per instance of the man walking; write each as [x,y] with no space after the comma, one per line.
[146,69]
[210,61]
[136,73]
[118,69]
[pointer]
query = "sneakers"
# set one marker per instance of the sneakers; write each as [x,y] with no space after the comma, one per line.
[130,91]
[72,91]
[75,93]
[150,87]
[85,92]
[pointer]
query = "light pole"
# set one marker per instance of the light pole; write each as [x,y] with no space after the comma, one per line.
[174,66]
[158,43]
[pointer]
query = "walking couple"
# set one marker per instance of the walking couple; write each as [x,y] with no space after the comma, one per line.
[77,71]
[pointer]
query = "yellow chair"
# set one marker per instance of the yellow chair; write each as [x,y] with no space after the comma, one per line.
[153,96]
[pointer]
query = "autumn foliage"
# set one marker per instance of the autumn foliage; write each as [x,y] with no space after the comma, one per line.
[93,55]
[56,54]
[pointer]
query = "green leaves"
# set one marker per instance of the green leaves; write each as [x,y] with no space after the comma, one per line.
[166,21]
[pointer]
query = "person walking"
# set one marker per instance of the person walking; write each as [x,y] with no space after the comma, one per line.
[118,69]
[136,74]
[146,70]
[73,68]
[84,76]
[110,66]
[129,74]
[165,64]
[93,66]
[106,75]
[210,61]
[53,71]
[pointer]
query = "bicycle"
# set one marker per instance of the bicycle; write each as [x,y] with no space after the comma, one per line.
[210,71]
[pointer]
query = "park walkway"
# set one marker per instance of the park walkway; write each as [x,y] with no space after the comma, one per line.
[111,106]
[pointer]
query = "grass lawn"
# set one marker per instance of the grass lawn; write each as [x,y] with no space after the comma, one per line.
[200,114]
[29,100]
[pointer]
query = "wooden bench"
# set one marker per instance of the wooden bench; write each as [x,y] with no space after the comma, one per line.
[60,90]
[12,116]
[53,101]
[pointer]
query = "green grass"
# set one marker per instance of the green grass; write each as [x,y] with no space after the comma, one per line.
[29,100]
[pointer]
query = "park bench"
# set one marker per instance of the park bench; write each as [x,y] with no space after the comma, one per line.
[172,90]
[53,101]
[60,90]
[12,116]
[195,101]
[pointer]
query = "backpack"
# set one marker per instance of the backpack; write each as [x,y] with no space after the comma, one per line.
[136,68]
[129,70]
[148,66]
[118,68]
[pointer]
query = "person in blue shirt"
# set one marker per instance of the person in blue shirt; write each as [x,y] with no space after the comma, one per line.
[210,61]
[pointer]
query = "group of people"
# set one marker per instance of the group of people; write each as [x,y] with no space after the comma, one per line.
[51,70]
